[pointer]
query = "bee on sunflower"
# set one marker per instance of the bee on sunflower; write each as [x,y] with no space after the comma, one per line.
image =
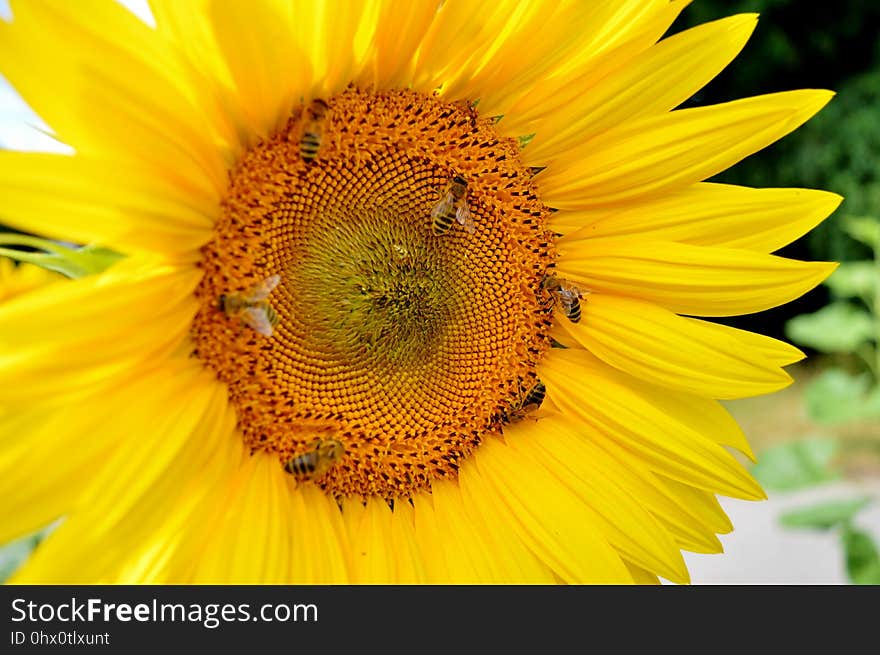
[411,292]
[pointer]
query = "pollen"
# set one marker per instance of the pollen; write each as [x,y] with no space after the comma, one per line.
[337,310]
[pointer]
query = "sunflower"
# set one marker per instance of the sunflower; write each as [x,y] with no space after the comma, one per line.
[17,280]
[410,291]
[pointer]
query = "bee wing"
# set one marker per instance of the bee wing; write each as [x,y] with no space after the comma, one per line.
[261,290]
[258,319]
[569,291]
[566,299]
[331,449]
[443,207]
[538,414]
[463,216]
[314,129]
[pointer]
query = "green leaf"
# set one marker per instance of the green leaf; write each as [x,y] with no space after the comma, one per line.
[824,516]
[854,280]
[862,558]
[72,261]
[863,228]
[797,464]
[14,554]
[835,396]
[840,327]
[525,140]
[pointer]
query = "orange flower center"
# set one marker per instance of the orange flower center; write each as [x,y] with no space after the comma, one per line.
[372,297]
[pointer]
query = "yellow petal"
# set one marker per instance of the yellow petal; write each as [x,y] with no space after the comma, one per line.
[658,154]
[250,540]
[701,502]
[428,540]
[137,310]
[455,552]
[555,36]
[186,29]
[553,445]
[320,552]
[640,575]
[37,491]
[609,51]
[686,279]
[549,518]
[773,350]
[633,473]
[492,516]
[336,37]
[22,278]
[267,65]
[130,495]
[703,415]
[110,203]
[458,39]
[708,214]
[654,344]
[399,30]
[625,412]
[169,522]
[369,529]
[410,568]
[652,83]
[115,92]
[468,543]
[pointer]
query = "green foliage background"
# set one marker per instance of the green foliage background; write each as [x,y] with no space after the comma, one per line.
[819,45]
[808,45]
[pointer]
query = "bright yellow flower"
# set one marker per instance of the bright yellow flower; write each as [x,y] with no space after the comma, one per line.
[309,285]
[17,280]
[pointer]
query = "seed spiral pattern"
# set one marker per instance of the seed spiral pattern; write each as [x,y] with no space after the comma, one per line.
[404,345]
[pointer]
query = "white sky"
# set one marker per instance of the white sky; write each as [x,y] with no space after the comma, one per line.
[17,122]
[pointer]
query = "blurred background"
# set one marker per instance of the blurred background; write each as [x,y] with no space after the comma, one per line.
[818,441]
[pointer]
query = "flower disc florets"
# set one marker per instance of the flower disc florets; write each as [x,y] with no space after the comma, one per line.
[402,340]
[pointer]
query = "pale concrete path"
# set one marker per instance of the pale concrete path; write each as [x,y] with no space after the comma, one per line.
[760,551]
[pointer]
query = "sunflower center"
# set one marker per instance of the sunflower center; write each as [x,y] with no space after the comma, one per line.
[372,296]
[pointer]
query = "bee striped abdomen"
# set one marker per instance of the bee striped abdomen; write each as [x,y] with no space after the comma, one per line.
[272,315]
[309,146]
[312,131]
[304,464]
[442,223]
[567,294]
[532,400]
[317,460]
[452,206]
[572,310]
[535,396]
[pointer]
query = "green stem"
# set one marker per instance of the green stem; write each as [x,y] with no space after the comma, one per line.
[73,262]
[22,256]
[60,263]
[12,239]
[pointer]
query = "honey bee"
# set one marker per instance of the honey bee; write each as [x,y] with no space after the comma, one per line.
[527,402]
[452,206]
[313,131]
[317,460]
[252,307]
[569,296]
